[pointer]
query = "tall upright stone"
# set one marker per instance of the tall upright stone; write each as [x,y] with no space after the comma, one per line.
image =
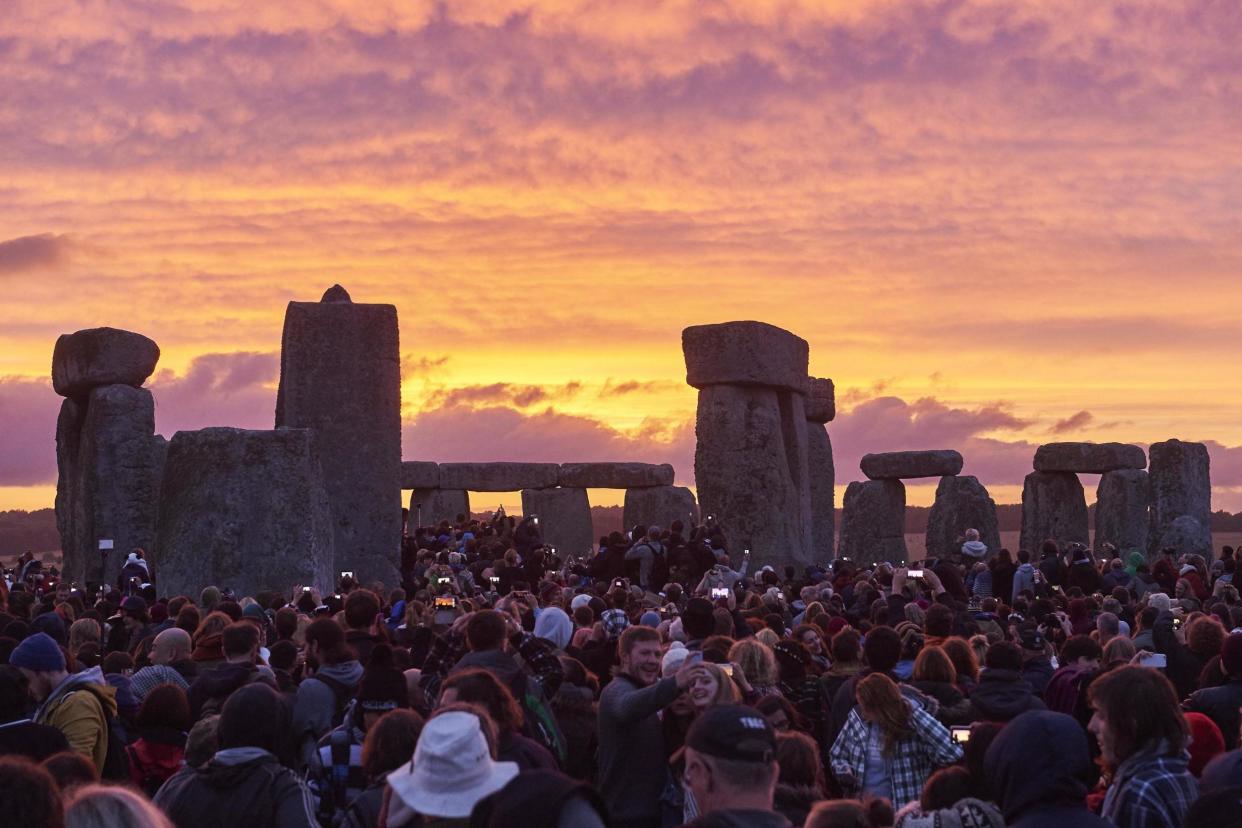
[821,408]
[751,458]
[659,506]
[1181,487]
[243,509]
[340,375]
[564,518]
[962,503]
[873,522]
[1121,503]
[430,506]
[1053,507]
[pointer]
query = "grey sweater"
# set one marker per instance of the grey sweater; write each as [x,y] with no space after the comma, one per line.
[632,764]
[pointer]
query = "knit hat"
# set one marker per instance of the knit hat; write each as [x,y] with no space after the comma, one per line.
[52,624]
[579,601]
[1186,569]
[650,618]
[383,686]
[967,813]
[1160,601]
[1206,742]
[673,659]
[255,613]
[135,604]
[159,612]
[39,653]
[615,622]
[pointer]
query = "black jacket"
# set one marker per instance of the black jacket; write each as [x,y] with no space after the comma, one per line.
[34,741]
[1002,695]
[1038,672]
[241,788]
[1220,704]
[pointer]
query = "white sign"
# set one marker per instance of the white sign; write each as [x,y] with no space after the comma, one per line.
[105,544]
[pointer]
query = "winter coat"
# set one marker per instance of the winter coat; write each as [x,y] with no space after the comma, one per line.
[1001,696]
[1023,579]
[955,708]
[34,741]
[1035,769]
[315,705]
[156,756]
[210,690]
[1038,672]
[1082,574]
[239,788]
[1002,578]
[80,707]
[578,715]
[1220,704]
[525,752]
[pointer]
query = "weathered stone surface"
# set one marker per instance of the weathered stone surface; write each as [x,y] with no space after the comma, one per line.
[243,509]
[660,506]
[498,477]
[1121,503]
[873,522]
[336,293]
[751,470]
[68,488]
[961,503]
[822,480]
[821,401]
[1181,485]
[564,518]
[615,475]
[419,475]
[430,506]
[340,374]
[115,484]
[101,356]
[745,353]
[1088,458]
[1053,508]
[900,465]
[1188,536]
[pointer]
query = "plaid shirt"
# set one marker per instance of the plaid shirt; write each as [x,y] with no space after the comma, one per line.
[1151,789]
[914,758]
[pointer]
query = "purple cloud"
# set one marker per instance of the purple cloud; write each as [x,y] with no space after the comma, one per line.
[27,253]
[28,449]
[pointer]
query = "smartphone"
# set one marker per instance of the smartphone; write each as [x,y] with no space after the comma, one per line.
[306,589]
[442,580]
[618,584]
[745,553]
[915,573]
[727,669]
[1157,660]
[495,579]
[719,592]
[446,602]
[960,734]
[347,573]
[1177,623]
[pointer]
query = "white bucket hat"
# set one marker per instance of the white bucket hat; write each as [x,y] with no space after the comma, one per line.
[452,768]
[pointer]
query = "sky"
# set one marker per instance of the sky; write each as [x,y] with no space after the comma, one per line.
[996,223]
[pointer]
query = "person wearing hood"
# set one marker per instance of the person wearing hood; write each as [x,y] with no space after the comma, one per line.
[135,567]
[241,648]
[1003,570]
[1002,693]
[244,784]
[78,705]
[19,736]
[1036,769]
[554,626]
[1023,578]
[974,549]
[1082,572]
[321,699]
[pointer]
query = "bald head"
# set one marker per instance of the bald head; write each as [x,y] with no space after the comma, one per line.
[171,645]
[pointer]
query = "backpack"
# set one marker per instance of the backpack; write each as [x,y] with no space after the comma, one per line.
[341,695]
[539,722]
[116,758]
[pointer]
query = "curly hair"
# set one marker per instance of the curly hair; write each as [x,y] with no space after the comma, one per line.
[1205,636]
[756,659]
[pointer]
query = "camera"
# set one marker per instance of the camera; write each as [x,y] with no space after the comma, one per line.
[960,734]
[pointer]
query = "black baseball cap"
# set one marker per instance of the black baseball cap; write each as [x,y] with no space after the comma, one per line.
[734,732]
[1031,637]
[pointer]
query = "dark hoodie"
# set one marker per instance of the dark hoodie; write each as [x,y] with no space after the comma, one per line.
[1035,770]
[1002,695]
[242,787]
[213,688]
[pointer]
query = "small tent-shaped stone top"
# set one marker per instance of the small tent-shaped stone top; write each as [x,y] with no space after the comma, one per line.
[336,293]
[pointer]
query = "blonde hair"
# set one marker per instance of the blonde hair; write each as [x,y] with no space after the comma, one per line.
[83,631]
[726,689]
[767,636]
[756,659]
[1118,648]
[110,806]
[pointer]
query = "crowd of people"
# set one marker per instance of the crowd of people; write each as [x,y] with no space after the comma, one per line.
[658,680]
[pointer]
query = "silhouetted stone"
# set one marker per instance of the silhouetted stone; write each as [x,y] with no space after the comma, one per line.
[1121,503]
[1188,536]
[821,401]
[564,518]
[243,509]
[745,353]
[822,479]
[751,470]
[660,506]
[336,293]
[1053,507]
[101,356]
[900,465]
[430,506]
[1088,458]
[498,477]
[419,475]
[340,374]
[961,503]
[615,475]
[873,522]
[69,514]
[1180,486]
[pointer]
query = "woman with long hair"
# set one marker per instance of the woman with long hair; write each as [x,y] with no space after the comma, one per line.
[758,664]
[888,746]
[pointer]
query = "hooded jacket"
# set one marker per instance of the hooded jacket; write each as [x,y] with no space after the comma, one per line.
[242,787]
[554,625]
[975,549]
[80,707]
[1002,695]
[1023,579]
[1035,771]
[315,704]
[217,685]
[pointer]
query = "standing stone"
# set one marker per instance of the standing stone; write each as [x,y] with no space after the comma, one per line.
[961,503]
[1181,486]
[1121,503]
[116,493]
[660,506]
[823,481]
[340,374]
[101,356]
[246,510]
[752,471]
[430,506]
[1053,507]
[564,518]
[873,522]
[821,400]
[68,489]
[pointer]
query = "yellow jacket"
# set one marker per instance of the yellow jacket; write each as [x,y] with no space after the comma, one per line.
[79,707]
